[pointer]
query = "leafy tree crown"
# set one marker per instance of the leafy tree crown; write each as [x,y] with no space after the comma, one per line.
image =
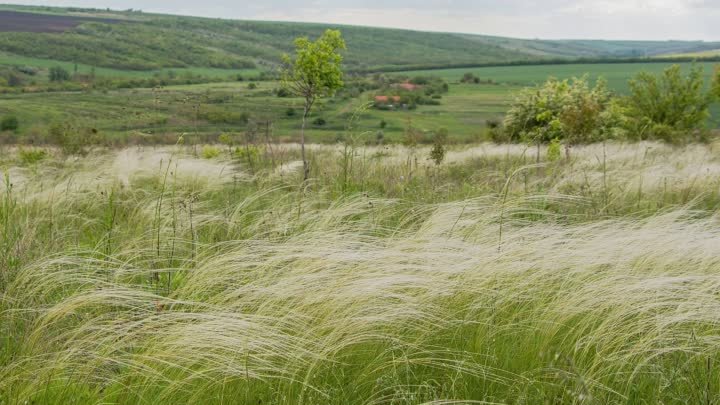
[315,70]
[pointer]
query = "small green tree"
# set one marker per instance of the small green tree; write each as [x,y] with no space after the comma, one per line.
[437,153]
[412,135]
[553,151]
[14,80]
[470,77]
[314,72]
[226,139]
[9,123]
[59,74]
[73,140]
[668,104]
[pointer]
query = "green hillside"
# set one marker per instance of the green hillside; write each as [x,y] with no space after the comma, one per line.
[140,41]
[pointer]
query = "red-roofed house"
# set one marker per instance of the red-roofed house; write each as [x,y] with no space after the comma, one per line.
[387,99]
[407,86]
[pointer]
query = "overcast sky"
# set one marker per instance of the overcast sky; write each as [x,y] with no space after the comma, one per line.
[596,19]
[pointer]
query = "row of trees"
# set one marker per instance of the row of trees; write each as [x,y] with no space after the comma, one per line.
[669,106]
[20,79]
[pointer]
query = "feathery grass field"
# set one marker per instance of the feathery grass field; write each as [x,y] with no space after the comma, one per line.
[184,275]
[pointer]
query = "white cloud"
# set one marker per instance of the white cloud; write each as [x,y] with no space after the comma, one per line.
[634,7]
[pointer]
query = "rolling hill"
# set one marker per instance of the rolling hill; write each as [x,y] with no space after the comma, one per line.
[136,41]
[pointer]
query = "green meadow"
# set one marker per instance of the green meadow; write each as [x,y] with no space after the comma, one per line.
[616,74]
[206,110]
[7,59]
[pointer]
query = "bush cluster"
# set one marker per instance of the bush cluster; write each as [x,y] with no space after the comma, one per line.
[669,106]
[426,91]
[471,78]
[9,123]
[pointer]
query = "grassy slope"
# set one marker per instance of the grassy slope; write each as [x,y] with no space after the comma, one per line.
[154,41]
[182,41]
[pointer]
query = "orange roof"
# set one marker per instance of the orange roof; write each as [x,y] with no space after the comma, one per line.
[408,86]
[387,99]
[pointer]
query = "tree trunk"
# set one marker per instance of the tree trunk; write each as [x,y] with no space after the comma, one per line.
[269,150]
[306,166]
[567,152]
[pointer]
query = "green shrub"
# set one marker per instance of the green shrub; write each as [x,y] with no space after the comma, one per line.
[568,110]
[668,105]
[470,77]
[32,155]
[498,135]
[71,139]
[554,150]
[496,131]
[210,152]
[437,153]
[249,154]
[493,123]
[59,74]
[9,123]
[319,122]
[613,121]
[380,137]
[225,139]
[14,80]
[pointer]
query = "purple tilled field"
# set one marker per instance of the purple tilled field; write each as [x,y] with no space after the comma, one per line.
[13,21]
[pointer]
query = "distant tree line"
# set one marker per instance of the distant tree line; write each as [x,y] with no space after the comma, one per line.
[535,62]
[19,79]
